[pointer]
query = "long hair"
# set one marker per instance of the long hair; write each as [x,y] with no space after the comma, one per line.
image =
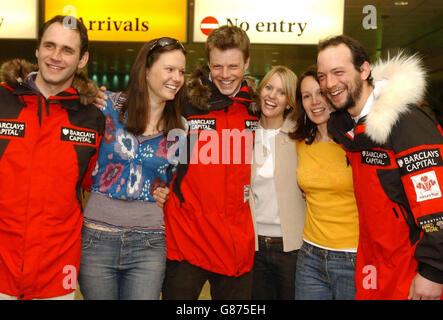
[289,81]
[135,110]
[306,129]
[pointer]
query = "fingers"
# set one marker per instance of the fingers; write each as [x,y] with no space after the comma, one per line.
[424,289]
[100,99]
[161,195]
[99,102]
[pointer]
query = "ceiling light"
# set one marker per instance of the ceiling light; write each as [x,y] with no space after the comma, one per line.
[401,3]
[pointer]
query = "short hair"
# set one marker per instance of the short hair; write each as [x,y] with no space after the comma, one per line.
[358,52]
[67,22]
[289,82]
[228,37]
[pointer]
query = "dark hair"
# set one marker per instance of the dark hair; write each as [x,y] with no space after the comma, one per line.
[67,22]
[305,129]
[228,37]
[135,112]
[358,52]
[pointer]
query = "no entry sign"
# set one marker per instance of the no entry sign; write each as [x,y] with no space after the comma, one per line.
[208,24]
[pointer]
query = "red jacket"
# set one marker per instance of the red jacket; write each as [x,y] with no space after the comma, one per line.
[48,149]
[396,153]
[207,217]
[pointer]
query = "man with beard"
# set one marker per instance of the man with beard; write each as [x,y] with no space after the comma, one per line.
[395,150]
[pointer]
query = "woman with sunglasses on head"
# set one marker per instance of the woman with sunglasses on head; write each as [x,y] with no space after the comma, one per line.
[276,202]
[326,260]
[123,238]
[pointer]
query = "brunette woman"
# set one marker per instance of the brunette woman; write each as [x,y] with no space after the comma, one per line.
[124,252]
[326,260]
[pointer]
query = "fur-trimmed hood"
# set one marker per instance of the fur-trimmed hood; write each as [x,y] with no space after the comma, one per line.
[16,71]
[202,93]
[405,85]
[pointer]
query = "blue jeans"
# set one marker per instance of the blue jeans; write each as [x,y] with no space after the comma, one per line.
[324,274]
[124,265]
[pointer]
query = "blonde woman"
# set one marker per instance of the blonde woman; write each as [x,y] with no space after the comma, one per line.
[276,202]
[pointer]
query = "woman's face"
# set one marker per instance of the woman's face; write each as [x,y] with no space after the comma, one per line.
[166,76]
[273,98]
[315,104]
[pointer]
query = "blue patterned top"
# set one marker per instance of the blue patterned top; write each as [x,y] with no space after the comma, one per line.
[130,167]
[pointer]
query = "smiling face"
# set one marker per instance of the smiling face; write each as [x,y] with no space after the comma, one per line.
[58,58]
[273,99]
[315,104]
[166,76]
[227,69]
[339,80]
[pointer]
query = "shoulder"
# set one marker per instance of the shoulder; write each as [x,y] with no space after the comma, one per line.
[6,92]
[413,128]
[114,102]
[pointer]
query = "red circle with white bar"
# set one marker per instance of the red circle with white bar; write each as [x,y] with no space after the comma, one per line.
[208,24]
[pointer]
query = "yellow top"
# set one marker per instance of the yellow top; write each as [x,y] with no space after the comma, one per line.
[331,211]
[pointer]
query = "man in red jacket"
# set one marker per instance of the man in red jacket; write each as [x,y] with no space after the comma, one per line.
[396,153]
[209,229]
[48,146]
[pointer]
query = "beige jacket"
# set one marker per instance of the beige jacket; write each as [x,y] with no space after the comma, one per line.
[291,204]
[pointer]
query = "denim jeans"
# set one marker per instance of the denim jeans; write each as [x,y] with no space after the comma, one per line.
[124,265]
[324,274]
[274,271]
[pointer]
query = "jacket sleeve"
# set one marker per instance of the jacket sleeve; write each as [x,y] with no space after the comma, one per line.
[418,147]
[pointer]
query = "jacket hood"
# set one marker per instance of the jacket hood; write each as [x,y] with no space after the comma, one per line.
[405,85]
[16,71]
[201,91]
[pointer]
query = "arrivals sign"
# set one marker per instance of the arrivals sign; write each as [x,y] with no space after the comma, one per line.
[128,20]
[271,22]
[18,19]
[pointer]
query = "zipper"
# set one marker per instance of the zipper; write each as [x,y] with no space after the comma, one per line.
[226,186]
[38,128]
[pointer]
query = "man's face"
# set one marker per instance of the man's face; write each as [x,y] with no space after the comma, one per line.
[227,69]
[58,56]
[339,80]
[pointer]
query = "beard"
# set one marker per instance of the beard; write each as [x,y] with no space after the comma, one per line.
[354,94]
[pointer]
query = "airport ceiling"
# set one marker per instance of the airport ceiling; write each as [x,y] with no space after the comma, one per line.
[416,26]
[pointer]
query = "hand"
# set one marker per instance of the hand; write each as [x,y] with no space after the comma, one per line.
[424,289]
[100,99]
[161,195]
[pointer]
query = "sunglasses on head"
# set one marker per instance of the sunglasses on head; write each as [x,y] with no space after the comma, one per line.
[163,42]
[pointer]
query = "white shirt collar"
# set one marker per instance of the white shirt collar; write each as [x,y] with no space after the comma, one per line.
[371,99]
